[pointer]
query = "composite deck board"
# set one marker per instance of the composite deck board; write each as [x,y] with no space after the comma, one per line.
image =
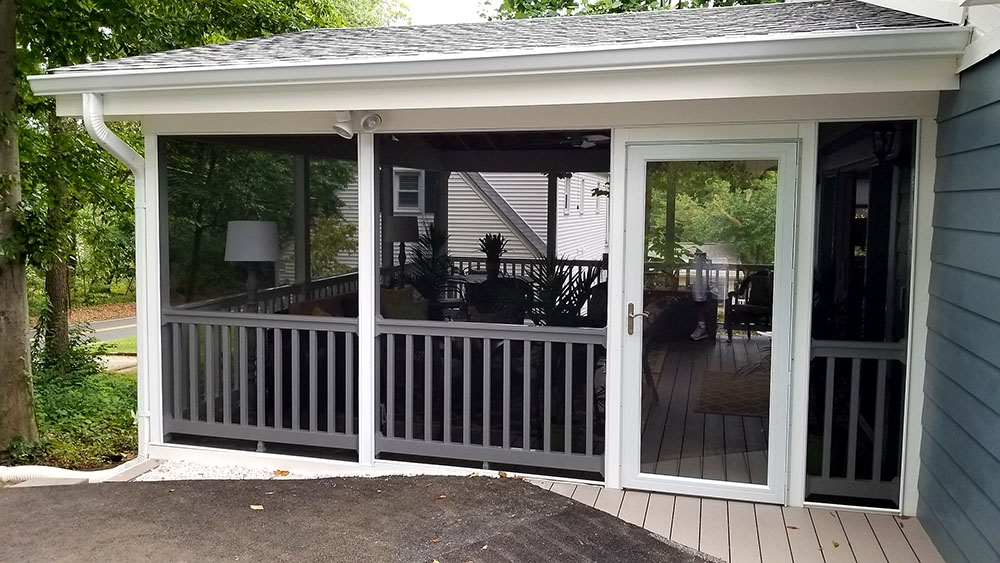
[633,509]
[686,527]
[891,539]
[861,537]
[742,532]
[919,541]
[659,514]
[832,539]
[772,534]
[715,528]
[744,544]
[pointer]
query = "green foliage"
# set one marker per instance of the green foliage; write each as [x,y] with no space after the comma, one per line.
[517,9]
[725,202]
[430,266]
[493,246]
[332,237]
[127,345]
[85,417]
[560,292]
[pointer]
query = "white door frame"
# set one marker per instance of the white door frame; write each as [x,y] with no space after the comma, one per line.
[633,148]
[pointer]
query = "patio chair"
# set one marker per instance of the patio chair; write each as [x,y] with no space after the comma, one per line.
[749,307]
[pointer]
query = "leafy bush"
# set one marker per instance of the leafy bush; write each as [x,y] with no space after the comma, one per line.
[85,416]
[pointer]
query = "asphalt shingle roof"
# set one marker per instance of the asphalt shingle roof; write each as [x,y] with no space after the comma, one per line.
[429,41]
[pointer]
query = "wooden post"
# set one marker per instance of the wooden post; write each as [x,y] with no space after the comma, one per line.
[552,224]
[441,203]
[303,219]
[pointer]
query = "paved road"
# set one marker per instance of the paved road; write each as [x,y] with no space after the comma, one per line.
[114,329]
[409,519]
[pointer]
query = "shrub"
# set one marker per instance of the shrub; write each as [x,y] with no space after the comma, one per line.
[85,416]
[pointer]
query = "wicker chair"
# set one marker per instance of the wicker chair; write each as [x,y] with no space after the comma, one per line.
[749,307]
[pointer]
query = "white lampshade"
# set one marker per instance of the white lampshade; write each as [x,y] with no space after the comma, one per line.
[252,241]
[401,229]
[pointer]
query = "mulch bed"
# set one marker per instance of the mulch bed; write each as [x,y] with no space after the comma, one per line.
[105,312]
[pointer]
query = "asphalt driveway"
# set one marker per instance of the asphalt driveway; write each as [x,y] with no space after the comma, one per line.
[386,519]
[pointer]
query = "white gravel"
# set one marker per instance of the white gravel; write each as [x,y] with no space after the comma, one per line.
[187,471]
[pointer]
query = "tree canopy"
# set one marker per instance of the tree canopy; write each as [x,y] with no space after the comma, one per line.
[517,9]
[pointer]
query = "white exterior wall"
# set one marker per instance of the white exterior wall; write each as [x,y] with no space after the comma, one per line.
[469,218]
[583,226]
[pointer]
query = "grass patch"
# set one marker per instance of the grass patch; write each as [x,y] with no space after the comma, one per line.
[127,345]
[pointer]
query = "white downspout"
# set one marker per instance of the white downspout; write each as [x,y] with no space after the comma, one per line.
[93,121]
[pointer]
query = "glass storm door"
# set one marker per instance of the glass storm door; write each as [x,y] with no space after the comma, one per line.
[707,342]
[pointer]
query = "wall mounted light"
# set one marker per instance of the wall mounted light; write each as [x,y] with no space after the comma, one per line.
[883,140]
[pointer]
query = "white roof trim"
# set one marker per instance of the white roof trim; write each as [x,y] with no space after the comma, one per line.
[834,46]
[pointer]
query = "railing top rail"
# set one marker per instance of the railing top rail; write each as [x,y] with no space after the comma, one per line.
[575,335]
[265,293]
[859,349]
[259,320]
[525,260]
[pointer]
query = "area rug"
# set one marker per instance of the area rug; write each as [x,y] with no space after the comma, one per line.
[735,394]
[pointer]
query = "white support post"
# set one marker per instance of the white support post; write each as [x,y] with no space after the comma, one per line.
[802,271]
[148,285]
[923,231]
[368,281]
[615,367]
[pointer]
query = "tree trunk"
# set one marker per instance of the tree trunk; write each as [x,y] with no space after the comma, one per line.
[57,322]
[56,329]
[17,416]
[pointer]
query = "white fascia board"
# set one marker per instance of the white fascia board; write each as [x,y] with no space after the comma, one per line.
[658,55]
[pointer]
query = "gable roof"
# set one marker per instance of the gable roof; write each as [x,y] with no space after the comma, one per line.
[565,34]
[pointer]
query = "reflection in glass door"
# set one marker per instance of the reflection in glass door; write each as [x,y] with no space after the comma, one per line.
[713,334]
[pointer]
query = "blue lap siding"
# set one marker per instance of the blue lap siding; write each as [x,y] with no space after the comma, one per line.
[960,454]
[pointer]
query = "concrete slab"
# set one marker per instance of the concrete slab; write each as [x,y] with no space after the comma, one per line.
[135,471]
[386,519]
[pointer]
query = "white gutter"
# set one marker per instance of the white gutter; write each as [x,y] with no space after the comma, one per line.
[93,121]
[814,47]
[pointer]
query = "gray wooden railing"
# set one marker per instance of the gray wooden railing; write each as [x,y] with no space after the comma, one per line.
[264,378]
[867,415]
[522,267]
[530,396]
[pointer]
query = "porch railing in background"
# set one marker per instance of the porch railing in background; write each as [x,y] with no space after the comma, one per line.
[529,396]
[263,378]
[861,418]
[522,267]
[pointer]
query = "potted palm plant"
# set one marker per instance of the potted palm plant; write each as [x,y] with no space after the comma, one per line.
[493,246]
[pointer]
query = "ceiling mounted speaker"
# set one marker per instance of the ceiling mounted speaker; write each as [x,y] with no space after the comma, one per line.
[370,122]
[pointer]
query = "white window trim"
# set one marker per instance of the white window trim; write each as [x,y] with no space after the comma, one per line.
[396,208]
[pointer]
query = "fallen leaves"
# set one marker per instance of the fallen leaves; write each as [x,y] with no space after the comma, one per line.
[836,543]
[792,527]
[256,507]
[502,475]
[280,473]
[442,497]
[436,540]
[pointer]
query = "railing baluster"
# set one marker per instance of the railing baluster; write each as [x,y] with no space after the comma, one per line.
[331,382]
[547,389]
[259,377]
[210,372]
[390,385]
[487,421]
[177,345]
[279,383]
[526,399]
[466,390]
[296,381]
[831,366]
[193,350]
[428,388]
[568,395]
[313,381]
[408,398]
[590,400]
[244,377]
[879,421]
[852,430]
[506,394]
[227,375]
[447,390]
[349,383]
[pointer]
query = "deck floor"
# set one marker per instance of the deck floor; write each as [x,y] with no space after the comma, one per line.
[741,532]
[681,437]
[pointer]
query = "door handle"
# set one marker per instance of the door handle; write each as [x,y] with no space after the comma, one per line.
[632,315]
